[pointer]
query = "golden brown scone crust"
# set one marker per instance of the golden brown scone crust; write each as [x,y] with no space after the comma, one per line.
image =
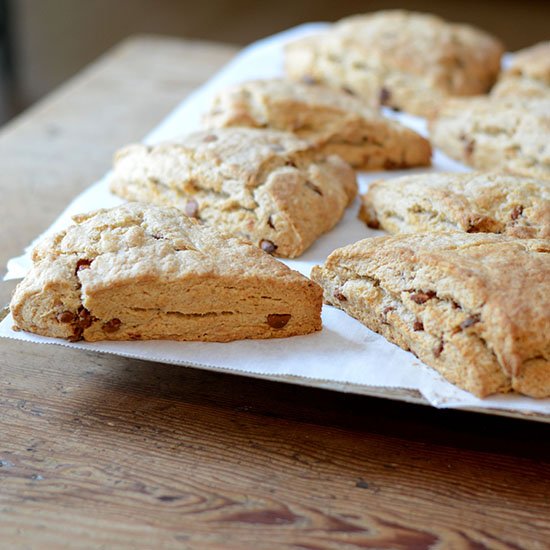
[528,75]
[265,186]
[139,272]
[507,134]
[406,60]
[333,121]
[476,307]
[474,203]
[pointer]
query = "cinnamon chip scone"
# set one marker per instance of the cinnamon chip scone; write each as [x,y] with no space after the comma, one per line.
[265,186]
[507,134]
[472,202]
[528,75]
[476,307]
[331,120]
[139,272]
[409,61]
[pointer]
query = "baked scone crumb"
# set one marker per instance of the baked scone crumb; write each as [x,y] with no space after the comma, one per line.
[331,120]
[476,307]
[139,272]
[264,186]
[472,202]
[508,134]
[406,60]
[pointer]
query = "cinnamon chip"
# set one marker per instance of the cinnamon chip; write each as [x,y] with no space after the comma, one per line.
[85,318]
[83,263]
[307,79]
[422,297]
[516,212]
[339,296]
[384,315]
[278,320]
[111,326]
[384,96]
[191,208]
[314,187]
[470,321]
[268,246]
[373,223]
[82,320]
[65,317]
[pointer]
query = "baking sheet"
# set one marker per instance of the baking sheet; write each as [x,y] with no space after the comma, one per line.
[345,354]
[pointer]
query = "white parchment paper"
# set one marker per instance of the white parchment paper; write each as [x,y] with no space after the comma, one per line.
[345,350]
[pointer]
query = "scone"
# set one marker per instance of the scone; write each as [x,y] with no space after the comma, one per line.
[476,307]
[261,185]
[473,202]
[139,272]
[333,121]
[507,134]
[409,61]
[528,75]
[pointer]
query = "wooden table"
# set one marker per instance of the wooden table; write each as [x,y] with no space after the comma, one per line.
[99,451]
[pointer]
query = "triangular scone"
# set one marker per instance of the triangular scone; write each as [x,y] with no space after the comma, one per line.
[473,202]
[333,121]
[474,307]
[140,272]
[528,75]
[508,134]
[265,186]
[405,60]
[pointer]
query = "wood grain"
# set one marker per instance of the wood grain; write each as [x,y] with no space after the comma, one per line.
[98,451]
[106,450]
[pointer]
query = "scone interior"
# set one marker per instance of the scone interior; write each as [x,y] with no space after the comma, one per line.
[332,120]
[141,272]
[474,307]
[471,202]
[406,60]
[264,186]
